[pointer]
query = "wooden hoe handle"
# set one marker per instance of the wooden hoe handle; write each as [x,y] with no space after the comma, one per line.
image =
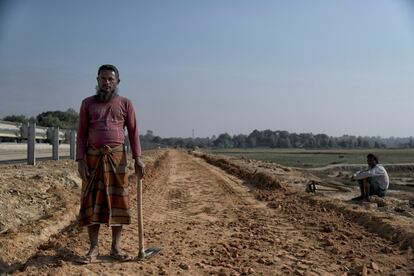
[141,252]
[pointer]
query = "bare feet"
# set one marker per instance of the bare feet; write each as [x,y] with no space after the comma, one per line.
[92,254]
[119,255]
[116,251]
[358,198]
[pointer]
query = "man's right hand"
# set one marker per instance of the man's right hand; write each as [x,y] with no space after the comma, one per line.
[83,169]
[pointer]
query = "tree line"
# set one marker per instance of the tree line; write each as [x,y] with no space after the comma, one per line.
[63,119]
[278,139]
[256,139]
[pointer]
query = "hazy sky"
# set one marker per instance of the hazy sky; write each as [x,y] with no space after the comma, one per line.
[334,67]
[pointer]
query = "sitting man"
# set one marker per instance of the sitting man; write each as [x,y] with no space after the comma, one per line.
[372,181]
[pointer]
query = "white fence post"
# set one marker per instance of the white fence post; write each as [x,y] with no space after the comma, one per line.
[31,144]
[72,141]
[55,147]
[24,130]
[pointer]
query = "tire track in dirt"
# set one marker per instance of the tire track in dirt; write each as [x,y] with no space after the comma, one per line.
[209,222]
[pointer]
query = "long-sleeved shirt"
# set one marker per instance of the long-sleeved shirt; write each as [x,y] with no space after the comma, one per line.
[103,124]
[377,173]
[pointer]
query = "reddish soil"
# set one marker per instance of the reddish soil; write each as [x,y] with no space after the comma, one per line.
[211,222]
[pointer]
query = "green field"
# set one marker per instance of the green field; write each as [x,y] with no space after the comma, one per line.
[319,158]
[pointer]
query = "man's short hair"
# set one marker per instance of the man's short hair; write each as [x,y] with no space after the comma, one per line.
[109,67]
[373,157]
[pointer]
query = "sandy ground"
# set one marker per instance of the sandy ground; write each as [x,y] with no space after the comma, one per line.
[209,222]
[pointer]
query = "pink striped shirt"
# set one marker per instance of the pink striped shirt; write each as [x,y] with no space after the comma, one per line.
[103,124]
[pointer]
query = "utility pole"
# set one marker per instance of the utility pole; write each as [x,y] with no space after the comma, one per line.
[192,134]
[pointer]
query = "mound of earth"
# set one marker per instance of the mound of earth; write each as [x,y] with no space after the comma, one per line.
[389,217]
[39,201]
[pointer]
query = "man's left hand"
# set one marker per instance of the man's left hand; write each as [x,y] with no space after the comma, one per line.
[139,168]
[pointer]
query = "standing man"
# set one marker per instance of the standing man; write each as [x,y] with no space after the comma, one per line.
[102,161]
[372,181]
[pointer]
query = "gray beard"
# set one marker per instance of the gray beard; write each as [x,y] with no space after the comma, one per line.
[104,96]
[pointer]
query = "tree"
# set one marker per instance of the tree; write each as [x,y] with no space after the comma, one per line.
[365,144]
[322,140]
[283,140]
[240,141]
[332,142]
[294,140]
[16,118]
[62,119]
[252,138]
[223,141]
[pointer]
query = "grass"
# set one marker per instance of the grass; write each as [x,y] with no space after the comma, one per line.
[319,158]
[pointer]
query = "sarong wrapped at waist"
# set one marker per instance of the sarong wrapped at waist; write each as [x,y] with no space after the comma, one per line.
[105,197]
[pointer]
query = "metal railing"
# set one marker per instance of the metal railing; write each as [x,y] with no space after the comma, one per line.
[19,131]
[10,129]
[31,133]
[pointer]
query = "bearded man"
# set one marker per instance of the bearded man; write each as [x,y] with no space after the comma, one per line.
[102,161]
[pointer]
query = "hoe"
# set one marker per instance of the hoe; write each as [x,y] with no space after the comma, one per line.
[143,254]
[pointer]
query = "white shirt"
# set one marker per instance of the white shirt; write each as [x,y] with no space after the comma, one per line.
[377,173]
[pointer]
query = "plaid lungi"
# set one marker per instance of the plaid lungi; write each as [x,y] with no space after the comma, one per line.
[105,198]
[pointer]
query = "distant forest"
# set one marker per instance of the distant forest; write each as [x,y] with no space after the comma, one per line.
[278,139]
[256,139]
[63,119]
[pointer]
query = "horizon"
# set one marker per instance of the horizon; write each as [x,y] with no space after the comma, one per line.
[216,67]
[246,134]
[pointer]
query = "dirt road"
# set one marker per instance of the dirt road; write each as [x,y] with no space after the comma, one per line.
[210,222]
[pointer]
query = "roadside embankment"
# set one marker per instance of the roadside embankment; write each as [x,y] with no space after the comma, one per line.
[245,169]
[40,201]
[389,218]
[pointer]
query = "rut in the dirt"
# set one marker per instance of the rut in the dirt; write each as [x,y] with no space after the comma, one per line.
[210,222]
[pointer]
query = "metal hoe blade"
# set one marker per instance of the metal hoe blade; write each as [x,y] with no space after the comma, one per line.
[148,253]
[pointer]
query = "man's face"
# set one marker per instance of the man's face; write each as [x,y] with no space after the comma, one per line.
[371,162]
[107,81]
